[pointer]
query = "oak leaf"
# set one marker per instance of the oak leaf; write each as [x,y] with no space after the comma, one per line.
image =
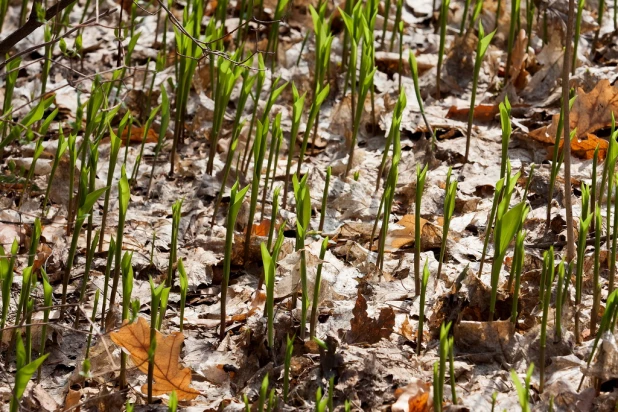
[168,374]
[431,235]
[366,329]
[590,112]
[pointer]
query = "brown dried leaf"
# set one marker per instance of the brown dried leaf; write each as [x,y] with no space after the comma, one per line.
[414,397]
[399,238]
[137,134]
[366,329]
[590,113]
[168,375]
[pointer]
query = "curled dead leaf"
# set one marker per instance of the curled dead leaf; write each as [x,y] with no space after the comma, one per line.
[431,235]
[168,374]
[414,397]
[366,329]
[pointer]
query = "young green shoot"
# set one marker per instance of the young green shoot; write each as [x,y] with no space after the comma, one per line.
[236,199]
[297,111]
[421,316]
[481,48]
[449,208]
[420,187]
[516,270]
[259,150]
[596,285]
[548,280]
[419,98]
[515,7]
[303,216]
[316,289]
[323,210]
[523,390]
[289,349]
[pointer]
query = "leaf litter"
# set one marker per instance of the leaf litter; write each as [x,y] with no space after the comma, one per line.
[367,318]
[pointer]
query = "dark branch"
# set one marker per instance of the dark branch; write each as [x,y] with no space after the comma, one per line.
[31,25]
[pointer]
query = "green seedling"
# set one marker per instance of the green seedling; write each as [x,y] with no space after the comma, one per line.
[273,216]
[608,322]
[172,405]
[596,285]
[313,114]
[263,393]
[6,270]
[516,270]
[47,55]
[561,292]
[155,300]
[23,375]
[86,202]
[396,25]
[270,268]
[165,120]
[138,161]
[578,25]
[316,289]
[227,76]
[612,270]
[34,243]
[259,85]
[557,160]
[608,178]
[124,194]
[303,216]
[259,150]
[515,7]
[393,131]
[184,286]
[297,111]
[47,306]
[507,225]
[420,187]
[176,213]
[86,278]
[323,210]
[366,72]
[593,186]
[389,193]
[273,35]
[35,115]
[236,199]
[114,149]
[481,48]
[276,136]
[523,390]
[93,319]
[600,13]
[189,53]
[275,92]
[417,93]
[421,316]
[584,225]
[289,349]
[127,288]
[60,150]
[12,70]
[530,8]
[439,368]
[464,17]
[547,280]
[449,209]
[111,251]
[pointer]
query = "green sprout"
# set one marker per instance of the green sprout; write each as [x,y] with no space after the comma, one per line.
[236,199]
[303,215]
[421,316]
[547,280]
[316,289]
[481,48]
[420,187]
[523,390]
[323,209]
[449,208]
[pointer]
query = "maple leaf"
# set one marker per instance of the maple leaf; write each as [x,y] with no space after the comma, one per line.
[168,375]
[366,329]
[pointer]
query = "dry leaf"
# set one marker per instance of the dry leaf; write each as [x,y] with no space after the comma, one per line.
[406,330]
[168,375]
[137,134]
[366,329]
[590,113]
[399,238]
[584,149]
[482,113]
[72,400]
[414,397]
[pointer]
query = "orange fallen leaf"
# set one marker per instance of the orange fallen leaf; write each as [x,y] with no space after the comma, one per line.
[137,134]
[406,330]
[431,235]
[413,397]
[168,375]
[482,113]
[262,228]
[590,112]
[366,329]
[584,149]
